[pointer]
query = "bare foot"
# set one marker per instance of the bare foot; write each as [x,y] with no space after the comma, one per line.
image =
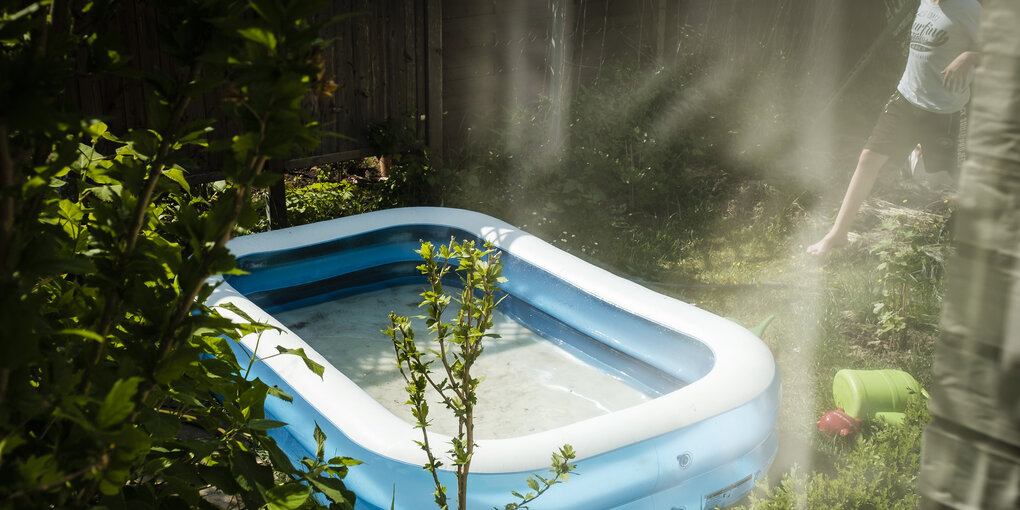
[827,244]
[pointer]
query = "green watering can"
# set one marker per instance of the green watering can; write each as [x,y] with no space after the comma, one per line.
[875,394]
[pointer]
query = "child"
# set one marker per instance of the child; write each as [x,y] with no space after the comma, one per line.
[925,109]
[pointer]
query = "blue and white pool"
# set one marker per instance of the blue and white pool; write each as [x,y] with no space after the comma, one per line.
[667,406]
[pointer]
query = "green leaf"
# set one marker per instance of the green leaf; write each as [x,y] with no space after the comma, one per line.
[218,346]
[176,174]
[113,480]
[264,424]
[280,394]
[84,333]
[261,36]
[533,484]
[276,456]
[118,403]
[157,465]
[289,496]
[219,476]
[9,443]
[268,10]
[87,156]
[161,426]
[320,442]
[248,473]
[106,193]
[97,129]
[233,308]
[332,488]
[344,461]
[39,470]
[177,362]
[300,352]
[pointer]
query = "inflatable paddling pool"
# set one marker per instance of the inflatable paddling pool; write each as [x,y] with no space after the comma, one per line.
[699,433]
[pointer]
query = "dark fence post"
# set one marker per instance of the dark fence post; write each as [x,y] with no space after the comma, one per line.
[434,76]
[277,200]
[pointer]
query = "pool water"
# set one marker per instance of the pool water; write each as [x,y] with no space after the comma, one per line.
[529,382]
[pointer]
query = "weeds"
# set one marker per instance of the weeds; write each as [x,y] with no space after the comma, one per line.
[879,471]
[911,253]
[669,208]
[666,205]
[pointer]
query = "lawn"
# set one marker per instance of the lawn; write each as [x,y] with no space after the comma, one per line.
[683,217]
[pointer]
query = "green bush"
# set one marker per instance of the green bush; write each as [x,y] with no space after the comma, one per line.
[322,200]
[911,254]
[878,471]
[411,183]
[118,386]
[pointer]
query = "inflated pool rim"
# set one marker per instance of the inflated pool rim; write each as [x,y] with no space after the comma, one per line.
[743,367]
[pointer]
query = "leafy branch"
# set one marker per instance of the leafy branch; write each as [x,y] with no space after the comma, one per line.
[122,389]
[560,468]
[459,345]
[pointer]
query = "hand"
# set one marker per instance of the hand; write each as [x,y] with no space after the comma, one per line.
[956,74]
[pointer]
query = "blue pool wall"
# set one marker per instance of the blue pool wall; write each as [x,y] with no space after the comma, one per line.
[386,257]
[688,469]
[713,462]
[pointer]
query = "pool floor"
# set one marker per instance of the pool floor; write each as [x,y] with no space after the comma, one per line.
[529,384]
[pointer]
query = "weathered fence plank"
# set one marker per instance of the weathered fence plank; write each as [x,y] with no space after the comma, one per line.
[378,59]
[452,67]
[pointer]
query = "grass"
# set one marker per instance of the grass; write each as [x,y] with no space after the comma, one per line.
[683,216]
[743,257]
[750,265]
[735,246]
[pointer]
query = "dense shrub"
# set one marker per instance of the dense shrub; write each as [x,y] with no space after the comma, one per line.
[118,387]
[879,471]
[911,251]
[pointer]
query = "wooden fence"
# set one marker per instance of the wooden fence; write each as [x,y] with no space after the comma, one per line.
[451,68]
[498,55]
[379,57]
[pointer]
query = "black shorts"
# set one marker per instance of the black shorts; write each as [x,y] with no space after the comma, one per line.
[902,126]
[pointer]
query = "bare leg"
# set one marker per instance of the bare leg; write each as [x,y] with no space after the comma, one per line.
[860,187]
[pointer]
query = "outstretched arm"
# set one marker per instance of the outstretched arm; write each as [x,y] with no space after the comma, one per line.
[956,74]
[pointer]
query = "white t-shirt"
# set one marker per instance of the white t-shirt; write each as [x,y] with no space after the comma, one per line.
[941,32]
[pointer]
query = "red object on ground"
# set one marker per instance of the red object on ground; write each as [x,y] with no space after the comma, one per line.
[838,422]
